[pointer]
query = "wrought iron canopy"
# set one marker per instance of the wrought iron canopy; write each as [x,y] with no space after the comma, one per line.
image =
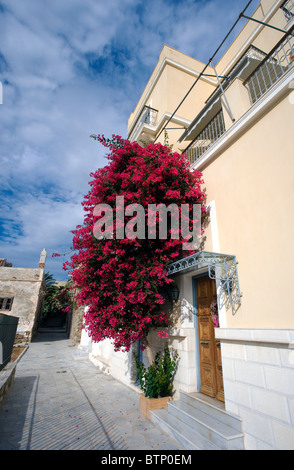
[221,267]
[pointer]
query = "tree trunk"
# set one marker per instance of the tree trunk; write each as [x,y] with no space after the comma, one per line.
[148,350]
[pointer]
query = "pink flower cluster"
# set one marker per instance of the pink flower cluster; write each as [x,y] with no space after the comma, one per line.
[120,279]
[66,309]
[162,334]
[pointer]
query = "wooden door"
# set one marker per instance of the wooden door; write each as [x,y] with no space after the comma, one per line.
[210,353]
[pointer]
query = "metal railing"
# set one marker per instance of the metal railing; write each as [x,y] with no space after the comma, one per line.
[288,9]
[147,116]
[8,326]
[208,136]
[272,67]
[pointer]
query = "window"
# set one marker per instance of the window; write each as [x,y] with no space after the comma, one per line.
[6,303]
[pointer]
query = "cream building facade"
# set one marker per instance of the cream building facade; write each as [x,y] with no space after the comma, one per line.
[234,120]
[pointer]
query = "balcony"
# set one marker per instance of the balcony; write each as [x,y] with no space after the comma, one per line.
[210,134]
[148,117]
[257,73]
[279,60]
[210,124]
[288,9]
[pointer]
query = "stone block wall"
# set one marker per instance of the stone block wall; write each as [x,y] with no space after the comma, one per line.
[258,372]
[6,380]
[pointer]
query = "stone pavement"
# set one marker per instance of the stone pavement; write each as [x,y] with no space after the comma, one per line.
[60,403]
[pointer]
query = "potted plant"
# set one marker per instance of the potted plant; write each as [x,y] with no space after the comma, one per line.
[157,381]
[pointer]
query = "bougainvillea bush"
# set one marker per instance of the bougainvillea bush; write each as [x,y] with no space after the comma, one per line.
[121,279]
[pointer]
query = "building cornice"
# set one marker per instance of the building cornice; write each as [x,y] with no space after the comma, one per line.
[284,337]
[166,61]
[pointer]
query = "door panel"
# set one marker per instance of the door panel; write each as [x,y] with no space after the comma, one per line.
[204,328]
[209,349]
[219,373]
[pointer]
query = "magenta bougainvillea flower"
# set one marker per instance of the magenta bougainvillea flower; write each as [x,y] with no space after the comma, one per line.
[121,279]
[162,334]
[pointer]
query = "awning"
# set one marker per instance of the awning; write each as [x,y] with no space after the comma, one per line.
[221,267]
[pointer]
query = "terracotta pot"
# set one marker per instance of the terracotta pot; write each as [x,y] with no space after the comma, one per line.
[147,404]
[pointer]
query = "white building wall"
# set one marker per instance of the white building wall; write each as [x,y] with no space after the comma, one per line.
[116,363]
[121,365]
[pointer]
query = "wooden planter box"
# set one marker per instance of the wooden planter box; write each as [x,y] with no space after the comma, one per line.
[147,404]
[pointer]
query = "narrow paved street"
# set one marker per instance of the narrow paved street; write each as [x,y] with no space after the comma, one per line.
[61,401]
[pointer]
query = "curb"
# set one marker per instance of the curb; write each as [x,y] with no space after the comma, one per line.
[7,376]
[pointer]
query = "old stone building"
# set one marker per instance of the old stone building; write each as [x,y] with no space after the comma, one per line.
[21,295]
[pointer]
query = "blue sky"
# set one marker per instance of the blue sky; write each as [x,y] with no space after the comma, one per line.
[69,69]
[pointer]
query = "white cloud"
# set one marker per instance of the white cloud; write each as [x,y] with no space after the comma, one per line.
[45,222]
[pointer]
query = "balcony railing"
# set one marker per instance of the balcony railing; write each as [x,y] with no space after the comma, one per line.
[288,9]
[272,68]
[208,136]
[147,116]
